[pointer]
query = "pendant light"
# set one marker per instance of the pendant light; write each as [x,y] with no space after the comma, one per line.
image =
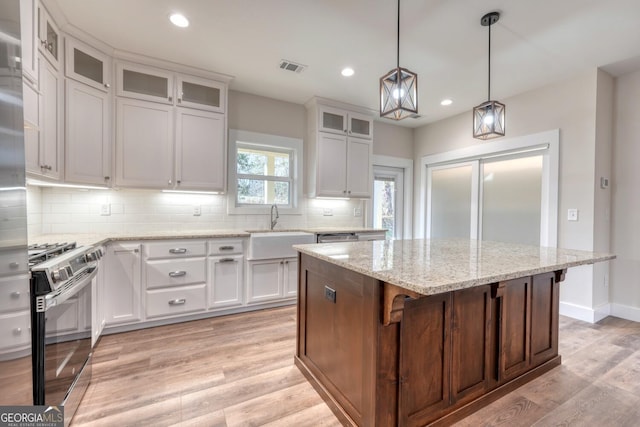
[398,88]
[488,117]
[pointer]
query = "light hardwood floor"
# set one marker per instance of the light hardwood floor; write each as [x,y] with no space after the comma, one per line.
[238,371]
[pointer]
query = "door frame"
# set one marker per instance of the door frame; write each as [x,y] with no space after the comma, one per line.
[545,143]
[407,215]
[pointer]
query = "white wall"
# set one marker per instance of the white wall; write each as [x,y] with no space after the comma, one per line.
[625,185]
[391,140]
[570,106]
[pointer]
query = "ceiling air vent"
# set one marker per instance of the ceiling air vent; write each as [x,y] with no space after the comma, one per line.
[292,66]
[415,116]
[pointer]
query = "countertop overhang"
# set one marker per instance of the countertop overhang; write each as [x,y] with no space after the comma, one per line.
[433,266]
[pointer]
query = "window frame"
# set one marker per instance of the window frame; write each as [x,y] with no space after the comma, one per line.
[276,143]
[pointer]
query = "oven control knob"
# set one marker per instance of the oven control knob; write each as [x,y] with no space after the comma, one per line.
[69,270]
[59,275]
[92,256]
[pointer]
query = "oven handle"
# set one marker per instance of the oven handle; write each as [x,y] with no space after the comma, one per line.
[45,302]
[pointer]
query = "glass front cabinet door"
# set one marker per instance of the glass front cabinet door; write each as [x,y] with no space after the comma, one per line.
[145,83]
[49,36]
[203,94]
[87,65]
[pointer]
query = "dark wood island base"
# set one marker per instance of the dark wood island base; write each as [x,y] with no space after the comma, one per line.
[381,355]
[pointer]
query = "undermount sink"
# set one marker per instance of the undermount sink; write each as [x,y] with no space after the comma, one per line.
[277,244]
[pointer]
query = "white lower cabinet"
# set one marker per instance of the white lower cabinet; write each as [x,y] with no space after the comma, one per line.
[272,279]
[123,283]
[226,281]
[174,301]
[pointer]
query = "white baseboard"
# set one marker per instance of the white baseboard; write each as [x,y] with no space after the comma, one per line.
[583,313]
[595,315]
[625,312]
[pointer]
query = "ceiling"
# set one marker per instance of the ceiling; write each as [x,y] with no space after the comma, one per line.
[534,44]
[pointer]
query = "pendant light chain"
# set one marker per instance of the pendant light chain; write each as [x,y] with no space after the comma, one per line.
[398,39]
[489,73]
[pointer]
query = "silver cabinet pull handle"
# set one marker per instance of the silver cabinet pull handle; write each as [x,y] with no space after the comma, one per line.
[226,248]
[227,260]
[178,251]
[107,85]
[180,301]
[177,273]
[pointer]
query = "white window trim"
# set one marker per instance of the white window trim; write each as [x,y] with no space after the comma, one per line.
[407,165]
[550,172]
[268,141]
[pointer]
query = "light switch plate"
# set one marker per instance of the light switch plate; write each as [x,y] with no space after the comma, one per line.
[572,214]
[105,209]
[357,211]
[327,212]
[197,210]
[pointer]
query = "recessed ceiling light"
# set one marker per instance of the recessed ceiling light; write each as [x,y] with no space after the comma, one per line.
[179,20]
[347,72]
[446,102]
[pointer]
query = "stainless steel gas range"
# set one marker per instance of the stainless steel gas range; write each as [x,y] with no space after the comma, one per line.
[60,288]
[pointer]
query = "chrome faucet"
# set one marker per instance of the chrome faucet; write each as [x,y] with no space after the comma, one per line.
[274,221]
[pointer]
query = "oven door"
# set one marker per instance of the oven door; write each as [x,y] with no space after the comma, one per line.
[62,345]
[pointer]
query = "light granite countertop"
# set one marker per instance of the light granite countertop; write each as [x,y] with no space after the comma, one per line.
[102,238]
[435,266]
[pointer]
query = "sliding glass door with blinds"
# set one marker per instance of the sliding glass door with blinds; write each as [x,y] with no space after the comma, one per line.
[508,196]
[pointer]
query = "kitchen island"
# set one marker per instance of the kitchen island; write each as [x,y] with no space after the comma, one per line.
[421,332]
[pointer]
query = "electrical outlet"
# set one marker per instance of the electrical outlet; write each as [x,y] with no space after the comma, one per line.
[105,209]
[357,211]
[572,214]
[330,294]
[327,212]
[197,210]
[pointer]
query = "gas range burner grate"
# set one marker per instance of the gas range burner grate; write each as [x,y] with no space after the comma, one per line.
[41,252]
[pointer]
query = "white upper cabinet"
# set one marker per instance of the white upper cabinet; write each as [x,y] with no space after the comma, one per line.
[203,94]
[29,38]
[87,65]
[200,150]
[88,147]
[144,144]
[48,162]
[349,123]
[49,37]
[340,152]
[146,83]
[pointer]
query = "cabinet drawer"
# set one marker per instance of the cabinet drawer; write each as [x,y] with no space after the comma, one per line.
[15,333]
[178,272]
[225,247]
[167,302]
[175,249]
[14,293]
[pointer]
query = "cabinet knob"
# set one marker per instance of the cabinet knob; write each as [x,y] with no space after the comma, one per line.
[179,100]
[349,192]
[15,294]
[178,182]
[17,331]
[170,99]
[14,265]
[344,191]
[107,85]
[107,178]
[170,182]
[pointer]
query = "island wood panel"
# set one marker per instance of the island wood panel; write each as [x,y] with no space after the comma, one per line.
[472,342]
[442,357]
[344,351]
[425,348]
[515,328]
[545,302]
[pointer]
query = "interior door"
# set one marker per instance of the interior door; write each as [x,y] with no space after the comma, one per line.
[388,200]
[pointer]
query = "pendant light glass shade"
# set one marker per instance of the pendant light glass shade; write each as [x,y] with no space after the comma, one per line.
[489,117]
[398,94]
[398,88]
[488,120]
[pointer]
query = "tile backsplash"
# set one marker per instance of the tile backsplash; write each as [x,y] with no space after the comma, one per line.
[68,210]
